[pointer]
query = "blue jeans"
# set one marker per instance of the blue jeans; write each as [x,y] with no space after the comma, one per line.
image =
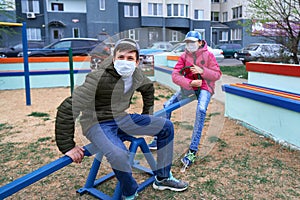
[203,101]
[106,137]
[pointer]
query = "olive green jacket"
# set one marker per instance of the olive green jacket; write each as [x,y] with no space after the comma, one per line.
[101,97]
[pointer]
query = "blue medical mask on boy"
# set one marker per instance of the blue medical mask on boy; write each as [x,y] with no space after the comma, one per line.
[124,68]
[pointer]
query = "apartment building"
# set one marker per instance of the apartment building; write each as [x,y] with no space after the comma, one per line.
[143,20]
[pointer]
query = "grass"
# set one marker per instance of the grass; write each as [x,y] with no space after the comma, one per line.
[236,71]
[44,116]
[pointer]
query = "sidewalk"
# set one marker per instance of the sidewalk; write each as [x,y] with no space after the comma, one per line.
[225,79]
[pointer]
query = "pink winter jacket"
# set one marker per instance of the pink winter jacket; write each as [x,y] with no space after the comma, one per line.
[202,58]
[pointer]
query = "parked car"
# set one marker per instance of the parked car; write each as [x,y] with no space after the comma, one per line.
[80,47]
[156,47]
[16,49]
[265,52]
[148,61]
[179,48]
[99,53]
[230,50]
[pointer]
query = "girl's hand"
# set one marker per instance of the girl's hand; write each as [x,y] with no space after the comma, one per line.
[196,70]
[196,83]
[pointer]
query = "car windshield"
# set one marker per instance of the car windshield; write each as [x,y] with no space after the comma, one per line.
[180,47]
[160,45]
[18,46]
[251,47]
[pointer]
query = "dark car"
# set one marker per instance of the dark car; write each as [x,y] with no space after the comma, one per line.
[265,52]
[230,50]
[16,49]
[79,46]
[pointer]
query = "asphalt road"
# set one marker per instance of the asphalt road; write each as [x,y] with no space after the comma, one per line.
[230,62]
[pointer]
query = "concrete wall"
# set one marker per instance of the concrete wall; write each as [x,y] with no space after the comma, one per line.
[273,108]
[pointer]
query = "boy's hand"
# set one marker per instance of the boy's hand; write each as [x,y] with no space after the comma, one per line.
[76,154]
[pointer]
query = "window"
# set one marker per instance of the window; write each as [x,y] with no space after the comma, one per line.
[225,16]
[102,4]
[199,14]
[81,44]
[76,33]
[215,16]
[56,34]
[236,34]
[237,12]
[155,9]
[174,36]
[224,36]
[131,11]
[215,1]
[153,36]
[132,34]
[62,45]
[177,10]
[30,6]
[57,7]
[34,34]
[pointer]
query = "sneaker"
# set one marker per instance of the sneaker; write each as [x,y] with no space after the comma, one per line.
[188,159]
[170,183]
[153,144]
[132,197]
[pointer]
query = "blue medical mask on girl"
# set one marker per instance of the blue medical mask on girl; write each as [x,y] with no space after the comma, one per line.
[192,46]
[124,68]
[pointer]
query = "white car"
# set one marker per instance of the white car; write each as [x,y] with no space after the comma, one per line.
[179,48]
[159,59]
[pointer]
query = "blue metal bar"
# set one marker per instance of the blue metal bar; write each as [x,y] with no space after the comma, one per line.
[26,67]
[43,72]
[91,181]
[71,70]
[161,113]
[37,175]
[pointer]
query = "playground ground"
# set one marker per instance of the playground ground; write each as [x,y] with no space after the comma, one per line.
[234,163]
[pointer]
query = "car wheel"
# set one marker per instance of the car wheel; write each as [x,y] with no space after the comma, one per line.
[291,61]
[235,55]
[259,60]
[2,55]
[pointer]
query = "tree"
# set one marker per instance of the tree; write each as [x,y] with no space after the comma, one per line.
[277,19]
[6,5]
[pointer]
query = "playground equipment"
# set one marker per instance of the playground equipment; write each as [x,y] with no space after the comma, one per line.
[269,103]
[26,63]
[90,149]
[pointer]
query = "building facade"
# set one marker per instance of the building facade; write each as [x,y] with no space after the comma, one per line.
[147,21]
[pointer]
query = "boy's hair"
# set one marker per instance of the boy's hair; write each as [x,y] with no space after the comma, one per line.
[127,45]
